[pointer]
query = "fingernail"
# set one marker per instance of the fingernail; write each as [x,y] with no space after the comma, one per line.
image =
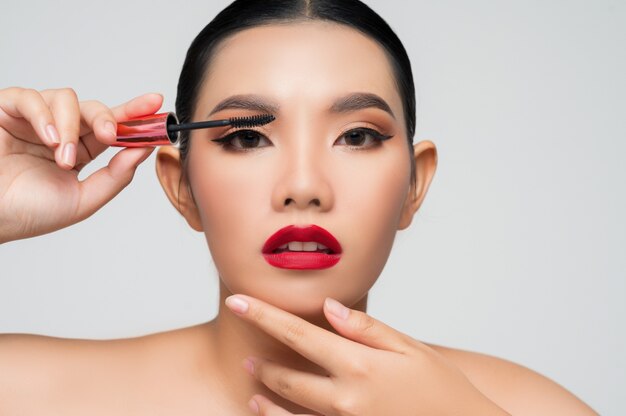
[237,304]
[53,134]
[110,128]
[69,154]
[337,308]
[248,364]
[252,404]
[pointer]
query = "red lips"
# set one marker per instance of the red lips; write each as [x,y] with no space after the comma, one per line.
[302,260]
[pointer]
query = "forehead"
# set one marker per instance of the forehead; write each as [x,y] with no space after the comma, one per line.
[305,61]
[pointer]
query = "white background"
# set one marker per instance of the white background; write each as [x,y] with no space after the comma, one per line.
[518,250]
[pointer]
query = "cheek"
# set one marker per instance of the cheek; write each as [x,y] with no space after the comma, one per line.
[232,197]
[370,198]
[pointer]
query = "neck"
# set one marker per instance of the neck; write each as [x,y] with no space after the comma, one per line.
[234,339]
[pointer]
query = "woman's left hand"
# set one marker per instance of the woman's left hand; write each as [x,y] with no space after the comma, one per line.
[373,369]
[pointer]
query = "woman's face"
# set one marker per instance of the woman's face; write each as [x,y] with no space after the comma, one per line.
[304,168]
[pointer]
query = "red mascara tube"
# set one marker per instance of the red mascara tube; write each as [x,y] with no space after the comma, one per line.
[150,130]
[163,128]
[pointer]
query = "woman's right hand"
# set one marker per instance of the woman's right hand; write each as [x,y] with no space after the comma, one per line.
[39,187]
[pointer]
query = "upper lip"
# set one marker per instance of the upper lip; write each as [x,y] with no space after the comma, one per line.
[304,234]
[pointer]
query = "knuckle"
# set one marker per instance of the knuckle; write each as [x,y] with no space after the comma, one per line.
[293,333]
[406,346]
[69,92]
[287,387]
[28,94]
[284,386]
[359,367]
[31,103]
[423,359]
[257,314]
[11,90]
[364,322]
[108,115]
[345,405]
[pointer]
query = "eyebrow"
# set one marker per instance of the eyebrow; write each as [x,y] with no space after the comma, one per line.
[345,104]
[358,101]
[247,102]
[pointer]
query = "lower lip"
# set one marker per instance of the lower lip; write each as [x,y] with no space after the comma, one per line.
[302,260]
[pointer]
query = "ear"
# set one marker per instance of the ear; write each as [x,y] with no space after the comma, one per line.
[425,156]
[176,186]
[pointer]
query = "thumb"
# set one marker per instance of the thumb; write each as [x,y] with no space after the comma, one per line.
[361,327]
[104,184]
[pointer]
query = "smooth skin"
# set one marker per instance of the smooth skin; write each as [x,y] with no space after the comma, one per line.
[307,355]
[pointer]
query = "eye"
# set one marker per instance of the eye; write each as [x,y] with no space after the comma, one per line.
[362,138]
[243,140]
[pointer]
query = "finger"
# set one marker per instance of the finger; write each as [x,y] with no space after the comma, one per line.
[66,110]
[17,104]
[100,122]
[96,143]
[311,391]
[98,127]
[322,347]
[101,186]
[362,328]
[263,406]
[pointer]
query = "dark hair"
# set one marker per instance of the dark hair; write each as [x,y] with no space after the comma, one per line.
[244,14]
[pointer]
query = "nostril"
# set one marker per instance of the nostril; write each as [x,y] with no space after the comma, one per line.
[314,201]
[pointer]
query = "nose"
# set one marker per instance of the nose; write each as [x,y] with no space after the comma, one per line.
[303,183]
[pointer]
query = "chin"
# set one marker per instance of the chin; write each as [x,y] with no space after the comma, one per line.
[293,293]
[301,293]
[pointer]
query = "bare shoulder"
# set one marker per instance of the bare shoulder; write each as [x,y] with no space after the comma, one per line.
[514,387]
[44,366]
[60,371]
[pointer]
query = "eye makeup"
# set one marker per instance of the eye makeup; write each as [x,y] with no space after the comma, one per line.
[364,132]
[249,139]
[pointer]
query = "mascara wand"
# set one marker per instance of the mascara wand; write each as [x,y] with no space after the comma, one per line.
[163,129]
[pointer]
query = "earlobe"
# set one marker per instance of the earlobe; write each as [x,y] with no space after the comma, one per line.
[425,156]
[169,172]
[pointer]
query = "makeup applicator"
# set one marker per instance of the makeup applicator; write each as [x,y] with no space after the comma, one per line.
[163,128]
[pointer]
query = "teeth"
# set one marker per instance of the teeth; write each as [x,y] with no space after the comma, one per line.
[303,246]
[295,246]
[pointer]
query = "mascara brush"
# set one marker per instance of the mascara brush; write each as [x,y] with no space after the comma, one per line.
[163,129]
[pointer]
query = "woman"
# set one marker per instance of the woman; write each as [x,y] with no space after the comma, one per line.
[300,216]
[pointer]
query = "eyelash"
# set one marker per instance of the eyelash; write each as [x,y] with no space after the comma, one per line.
[226,141]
